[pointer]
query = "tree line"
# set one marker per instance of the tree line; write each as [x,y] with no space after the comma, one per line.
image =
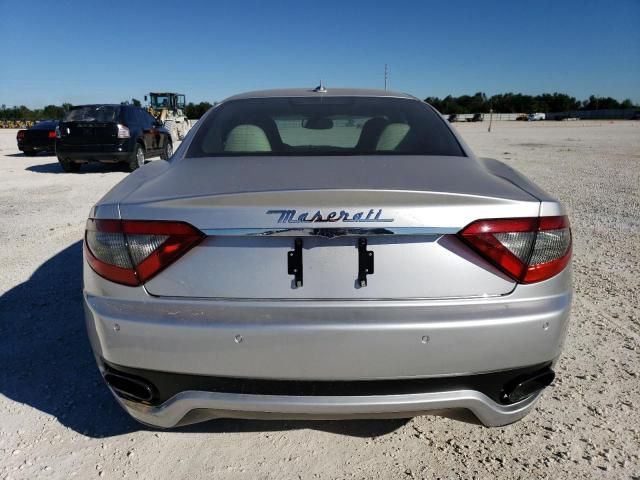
[478,103]
[56,112]
[521,103]
[191,110]
[50,112]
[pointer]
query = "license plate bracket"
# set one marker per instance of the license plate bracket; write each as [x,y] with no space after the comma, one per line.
[294,263]
[365,262]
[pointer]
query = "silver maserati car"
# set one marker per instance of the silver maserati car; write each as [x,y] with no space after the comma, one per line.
[326,253]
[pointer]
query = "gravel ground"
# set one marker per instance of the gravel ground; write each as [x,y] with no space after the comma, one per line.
[57,419]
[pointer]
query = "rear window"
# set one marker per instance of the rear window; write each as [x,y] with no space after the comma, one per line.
[323,126]
[93,113]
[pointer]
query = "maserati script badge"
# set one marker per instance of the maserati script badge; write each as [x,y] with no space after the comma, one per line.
[292,216]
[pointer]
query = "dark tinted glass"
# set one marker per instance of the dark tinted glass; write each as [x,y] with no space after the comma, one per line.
[93,113]
[130,116]
[148,118]
[324,126]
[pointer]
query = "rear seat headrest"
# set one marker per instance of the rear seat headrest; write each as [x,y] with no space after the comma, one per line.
[247,138]
[391,136]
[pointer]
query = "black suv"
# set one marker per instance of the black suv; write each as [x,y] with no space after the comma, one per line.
[110,134]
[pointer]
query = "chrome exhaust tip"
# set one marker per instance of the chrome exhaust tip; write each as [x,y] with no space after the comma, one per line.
[525,386]
[129,387]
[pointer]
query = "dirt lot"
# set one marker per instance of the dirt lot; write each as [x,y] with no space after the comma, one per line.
[57,419]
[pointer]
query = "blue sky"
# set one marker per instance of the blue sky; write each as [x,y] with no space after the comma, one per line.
[84,51]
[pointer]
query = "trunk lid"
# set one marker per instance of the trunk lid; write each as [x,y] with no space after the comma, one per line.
[37,134]
[91,125]
[253,209]
[89,133]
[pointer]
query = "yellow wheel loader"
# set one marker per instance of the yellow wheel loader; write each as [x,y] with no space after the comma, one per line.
[169,107]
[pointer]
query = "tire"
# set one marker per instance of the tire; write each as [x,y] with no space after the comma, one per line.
[167,152]
[30,153]
[68,166]
[137,159]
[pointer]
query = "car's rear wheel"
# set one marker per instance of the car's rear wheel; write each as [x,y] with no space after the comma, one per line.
[68,166]
[137,160]
[167,152]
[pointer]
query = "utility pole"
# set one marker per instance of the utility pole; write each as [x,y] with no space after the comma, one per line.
[386,76]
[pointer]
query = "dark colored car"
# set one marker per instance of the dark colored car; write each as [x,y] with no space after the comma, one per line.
[453,118]
[110,134]
[39,138]
[477,117]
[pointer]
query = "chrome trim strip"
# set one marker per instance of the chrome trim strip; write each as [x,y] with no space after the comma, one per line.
[328,232]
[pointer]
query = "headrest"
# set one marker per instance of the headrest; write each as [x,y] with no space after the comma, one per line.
[247,138]
[391,136]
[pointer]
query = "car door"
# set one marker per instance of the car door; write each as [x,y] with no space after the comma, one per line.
[144,128]
[132,122]
[154,140]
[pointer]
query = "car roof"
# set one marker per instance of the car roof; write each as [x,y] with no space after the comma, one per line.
[312,92]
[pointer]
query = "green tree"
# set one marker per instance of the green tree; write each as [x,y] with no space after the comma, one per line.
[196,111]
[53,112]
[600,103]
[626,103]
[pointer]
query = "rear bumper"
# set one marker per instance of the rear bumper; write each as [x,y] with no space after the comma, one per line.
[37,145]
[110,152]
[328,341]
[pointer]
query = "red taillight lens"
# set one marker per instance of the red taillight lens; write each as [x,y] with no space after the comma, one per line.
[51,134]
[527,249]
[20,135]
[131,252]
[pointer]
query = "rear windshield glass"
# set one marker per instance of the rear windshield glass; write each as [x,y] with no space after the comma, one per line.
[93,113]
[323,126]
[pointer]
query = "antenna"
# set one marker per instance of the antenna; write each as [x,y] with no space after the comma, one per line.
[320,88]
[386,76]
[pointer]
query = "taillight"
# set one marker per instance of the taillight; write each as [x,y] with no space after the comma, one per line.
[123,131]
[51,134]
[20,135]
[131,252]
[529,250]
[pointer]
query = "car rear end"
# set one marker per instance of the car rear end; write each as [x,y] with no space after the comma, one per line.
[39,138]
[94,133]
[332,286]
